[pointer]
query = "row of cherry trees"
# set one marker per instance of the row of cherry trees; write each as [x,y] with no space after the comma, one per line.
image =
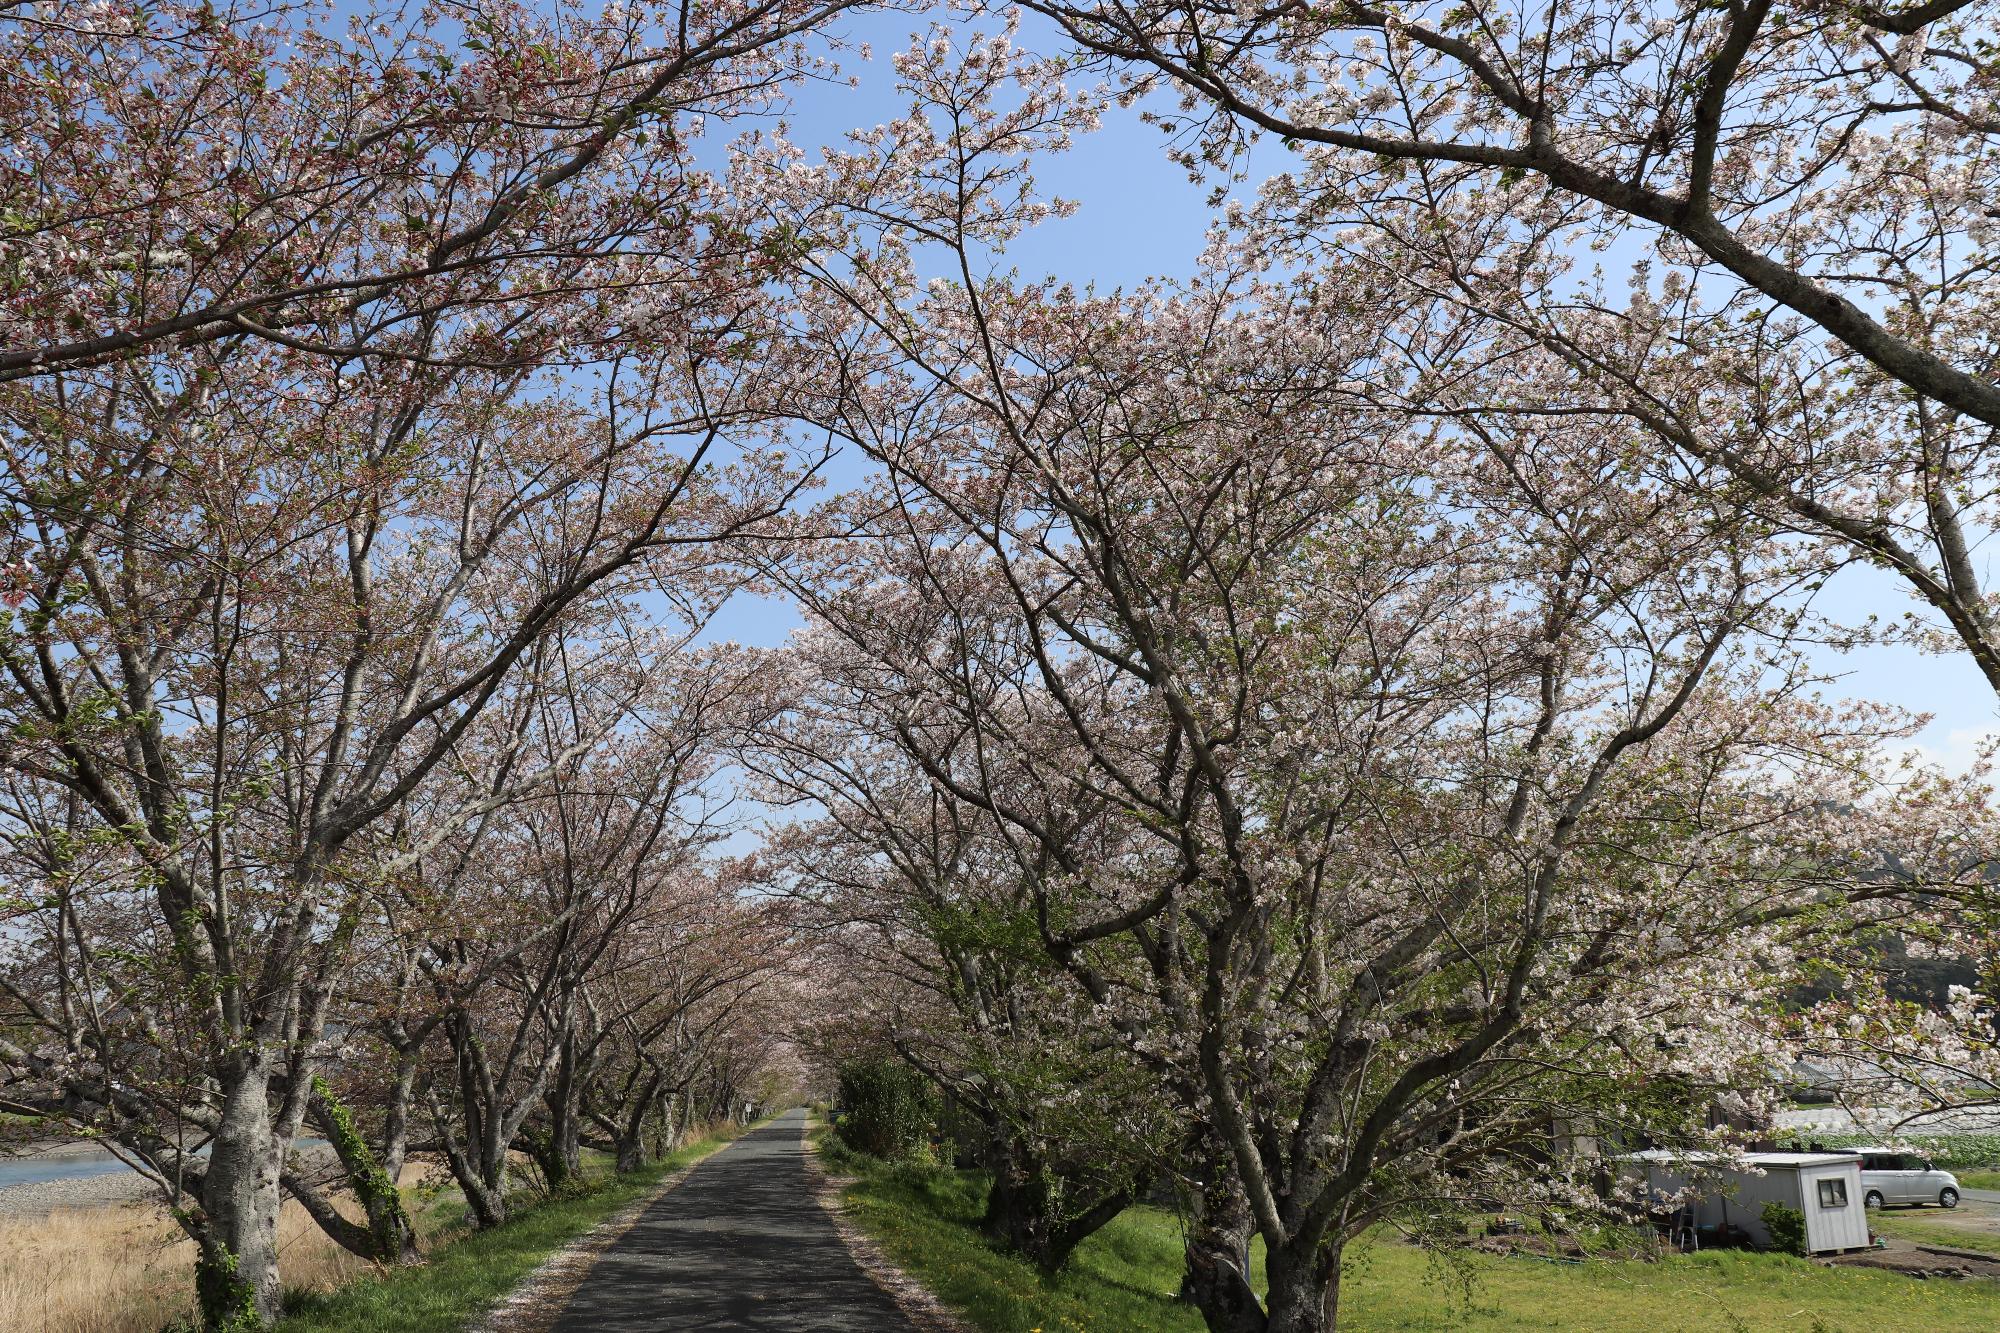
[1327,734]
[381,399]
[1758,236]
[1314,736]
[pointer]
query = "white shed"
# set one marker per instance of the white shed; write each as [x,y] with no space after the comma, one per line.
[1825,1186]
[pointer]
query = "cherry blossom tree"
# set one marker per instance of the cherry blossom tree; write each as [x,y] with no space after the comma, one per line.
[1449,793]
[526,912]
[673,1002]
[1804,189]
[351,381]
[490,183]
[1313,731]
[1425,839]
[259,605]
[1794,207]
[1781,147]
[916,895]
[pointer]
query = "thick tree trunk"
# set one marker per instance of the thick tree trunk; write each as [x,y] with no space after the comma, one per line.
[1217,1281]
[492,1126]
[1024,1212]
[489,1203]
[540,1145]
[1014,1212]
[236,1270]
[396,1118]
[559,1152]
[487,1198]
[395,1150]
[568,1141]
[1304,1288]
[484,1189]
[631,1136]
[662,1121]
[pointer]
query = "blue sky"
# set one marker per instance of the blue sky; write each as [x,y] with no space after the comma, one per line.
[1139,216]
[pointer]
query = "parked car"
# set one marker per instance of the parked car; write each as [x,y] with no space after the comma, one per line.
[1889,1176]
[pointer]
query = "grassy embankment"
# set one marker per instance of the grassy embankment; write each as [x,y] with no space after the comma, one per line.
[1123,1279]
[128,1269]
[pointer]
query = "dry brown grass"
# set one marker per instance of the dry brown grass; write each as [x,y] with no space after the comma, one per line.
[128,1269]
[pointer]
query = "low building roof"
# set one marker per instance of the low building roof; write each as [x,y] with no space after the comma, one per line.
[1803,1158]
[1783,1161]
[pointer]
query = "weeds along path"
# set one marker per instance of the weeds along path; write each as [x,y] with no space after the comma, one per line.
[741,1244]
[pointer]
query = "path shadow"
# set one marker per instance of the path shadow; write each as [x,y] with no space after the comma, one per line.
[741,1244]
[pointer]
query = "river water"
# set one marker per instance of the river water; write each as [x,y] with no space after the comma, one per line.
[79,1161]
[65,1164]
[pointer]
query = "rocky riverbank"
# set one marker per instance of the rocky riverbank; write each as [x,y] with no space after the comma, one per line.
[67,1175]
[38,1198]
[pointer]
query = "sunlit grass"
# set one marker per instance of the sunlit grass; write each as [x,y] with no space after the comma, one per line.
[1932,1226]
[1125,1278]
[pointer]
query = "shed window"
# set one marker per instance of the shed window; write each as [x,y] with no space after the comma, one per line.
[1833,1192]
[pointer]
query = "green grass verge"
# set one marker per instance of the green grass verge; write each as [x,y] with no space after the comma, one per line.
[1123,1279]
[927,1221]
[468,1272]
[1979,1180]
[1934,1226]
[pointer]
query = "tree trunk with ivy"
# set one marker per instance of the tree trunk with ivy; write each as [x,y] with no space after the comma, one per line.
[236,1227]
[389,1236]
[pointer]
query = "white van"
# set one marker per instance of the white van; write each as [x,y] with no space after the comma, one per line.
[1891,1176]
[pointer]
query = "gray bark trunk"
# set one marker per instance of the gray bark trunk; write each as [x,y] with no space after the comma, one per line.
[1217,1280]
[486,1198]
[1304,1288]
[236,1271]
[631,1130]
[560,1152]
[1022,1208]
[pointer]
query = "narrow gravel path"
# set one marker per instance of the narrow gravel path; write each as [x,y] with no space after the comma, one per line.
[740,1244]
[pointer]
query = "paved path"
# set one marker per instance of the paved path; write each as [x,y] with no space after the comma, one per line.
[740,1244]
